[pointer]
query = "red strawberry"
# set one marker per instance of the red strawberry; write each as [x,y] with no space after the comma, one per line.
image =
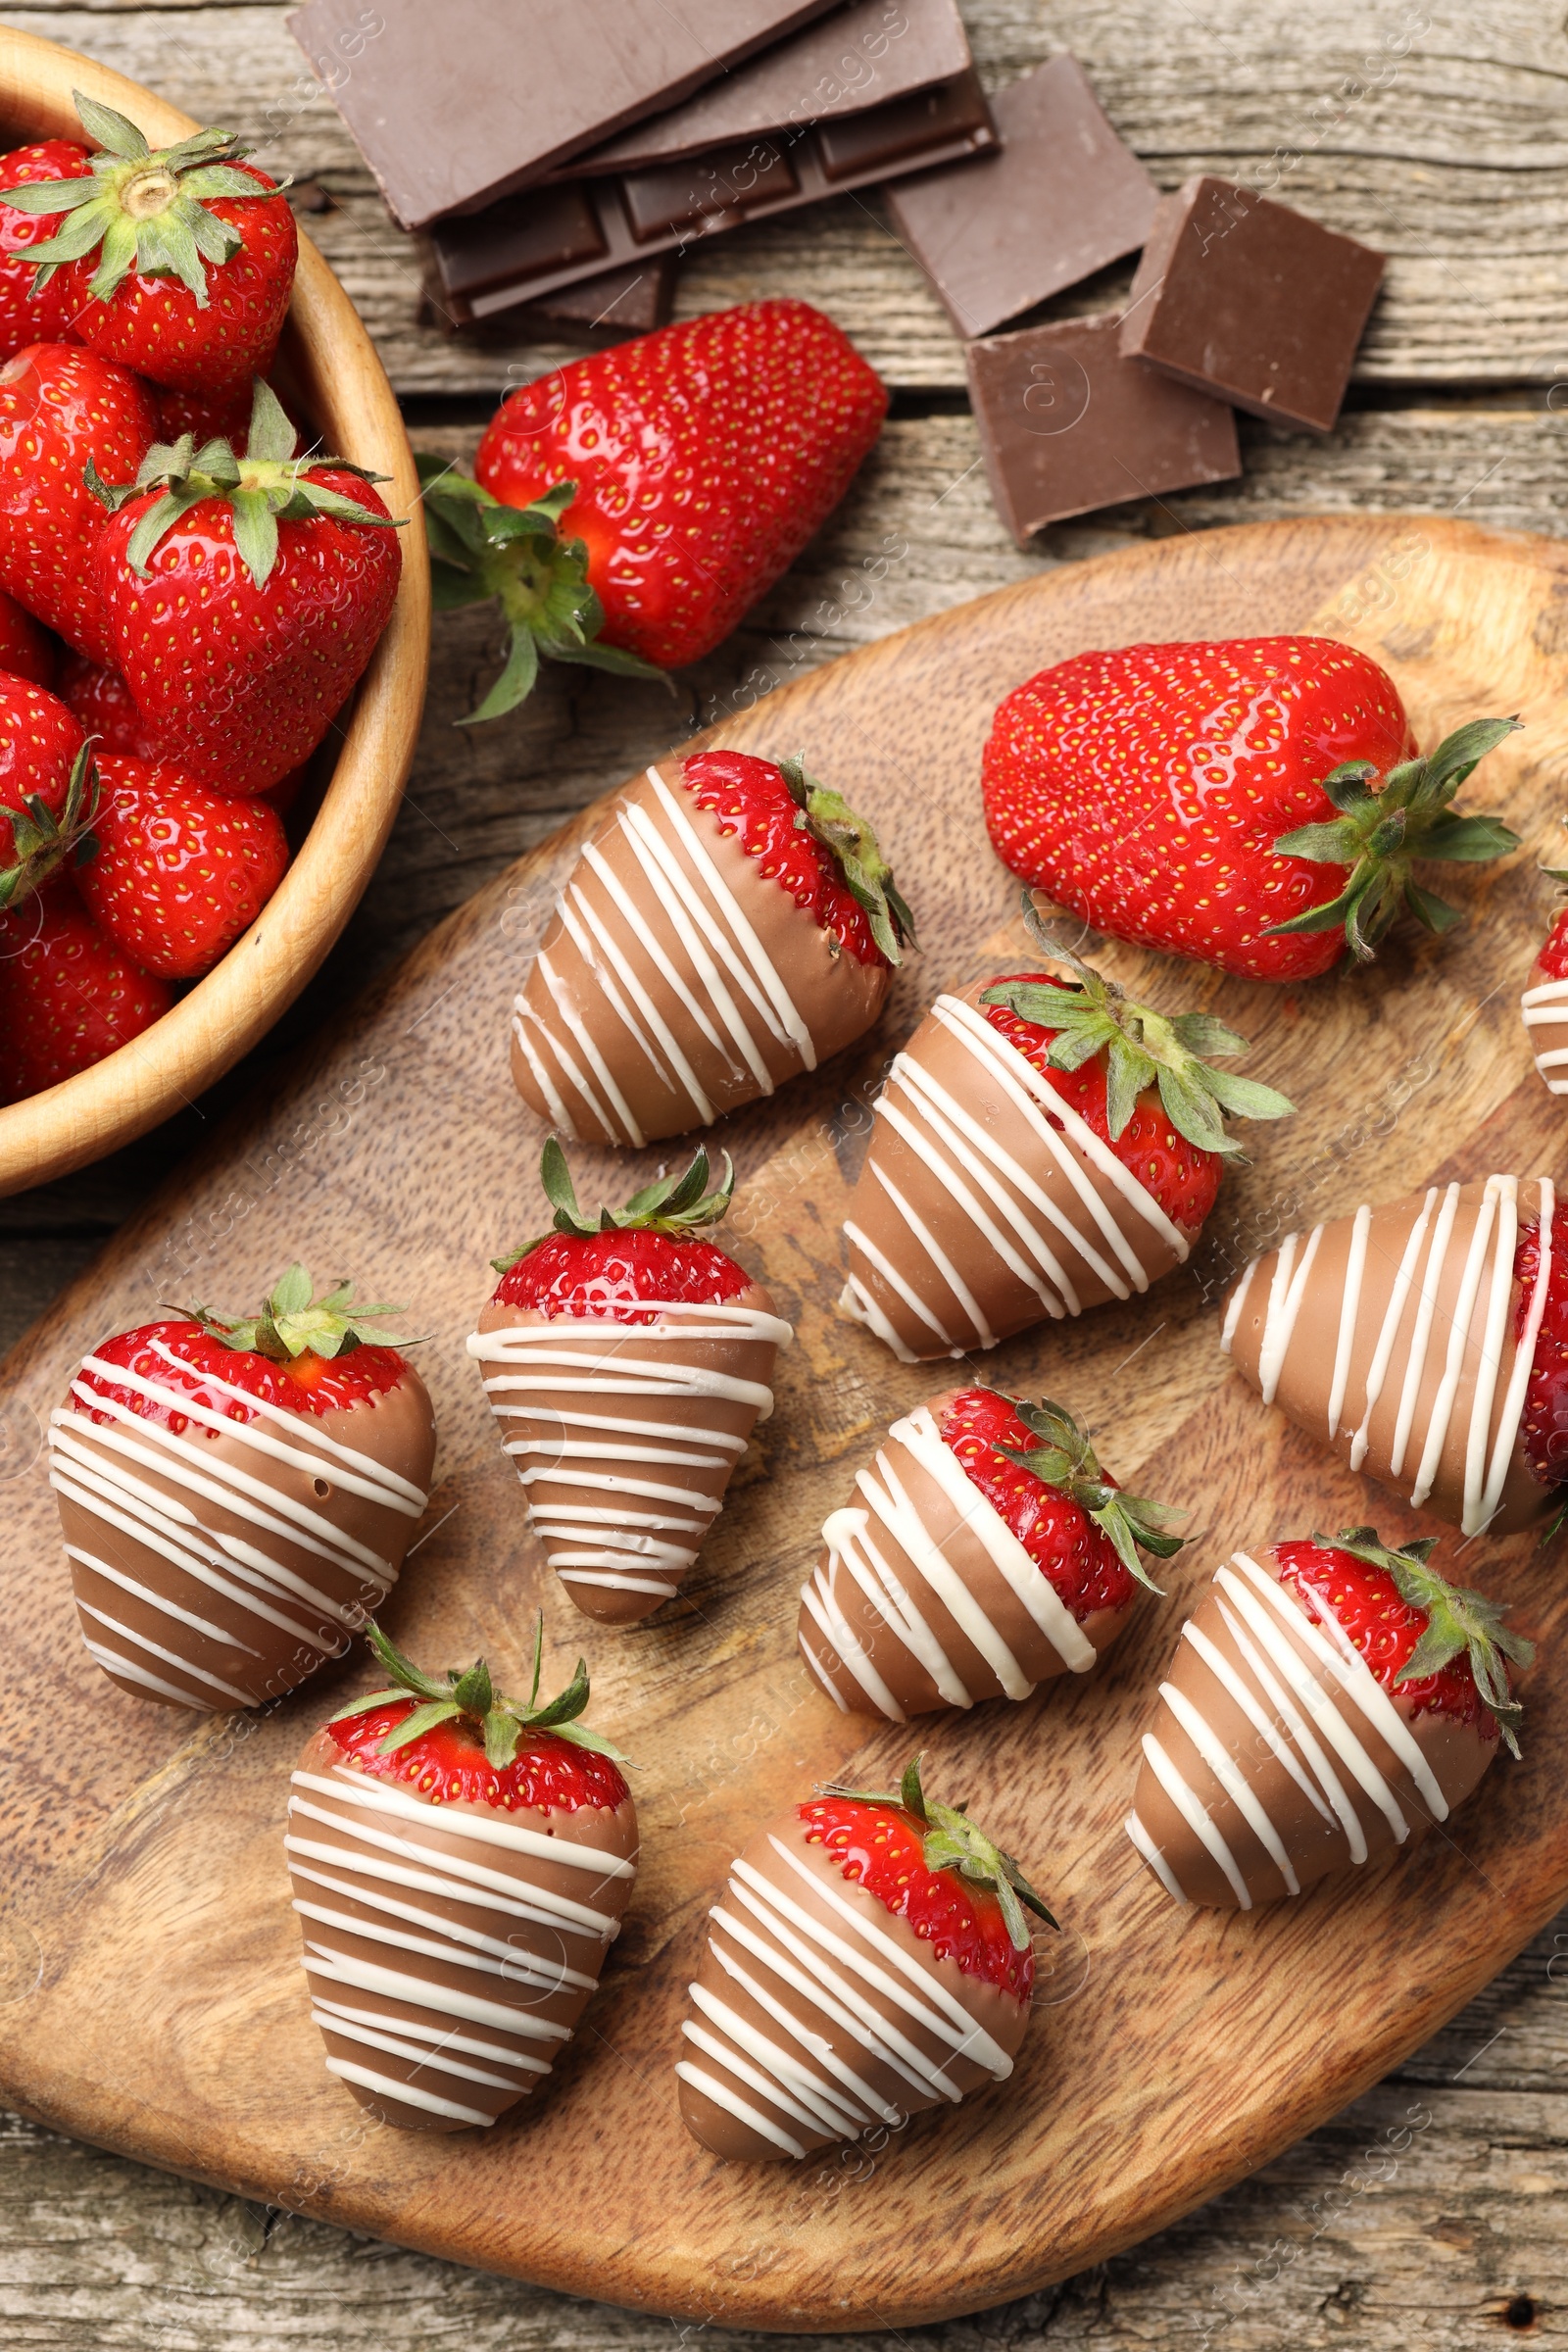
[872,1957]
[27,650]
[63,409]
[460,1862]
[46,786]
[226,417]
[242,610]
[103,703]
[686,471]
[177,263]
[237,1496]
[178,872]
[68,996]
[625,1443]
[762,803]
[27,317]
[1543,1006]
[1186,797]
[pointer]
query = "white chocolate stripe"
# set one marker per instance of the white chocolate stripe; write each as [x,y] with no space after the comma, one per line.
[1545,1009]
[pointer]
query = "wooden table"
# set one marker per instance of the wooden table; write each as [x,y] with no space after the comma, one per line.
[1433,2211]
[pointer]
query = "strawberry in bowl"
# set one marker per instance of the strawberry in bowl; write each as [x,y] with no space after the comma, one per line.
[984,1553]
[1327,1701]
[627,1360]
[732,923]
[1256,804]
[1040,1145]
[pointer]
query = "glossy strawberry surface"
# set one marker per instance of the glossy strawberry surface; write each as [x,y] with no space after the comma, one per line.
[1181,1176]
[1366,1605]
[26,316]
[750,800]
[307,1384]
[448,1765]
[106,707]
[1078,1559]
[1145,789]
[26,648]
[69,996]
[706,456]
[881,1848]
[1553,962]
[610,1273]
[61,407]
[180,871]
[1544,1425]
[40,739]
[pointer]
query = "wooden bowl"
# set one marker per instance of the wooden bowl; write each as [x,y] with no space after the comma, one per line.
[332,364]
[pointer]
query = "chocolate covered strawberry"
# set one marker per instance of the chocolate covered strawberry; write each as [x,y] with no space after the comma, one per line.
[1543,1006]
[64,412]
[69,996]
[627,1360]
[1427,1340]
[178,261]
[984,1553]
[872,1957]
[631,506]
[243,600]
[1040,1145]
[1327,1702]
[177,872]
[237,1496]
[460,1862]
[47,792]
[29,313]
[731,924]
[1258,804]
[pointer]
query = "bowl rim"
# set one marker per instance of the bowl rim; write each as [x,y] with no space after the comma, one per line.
[345,388]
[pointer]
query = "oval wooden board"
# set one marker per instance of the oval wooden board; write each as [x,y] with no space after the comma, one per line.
[153,1999]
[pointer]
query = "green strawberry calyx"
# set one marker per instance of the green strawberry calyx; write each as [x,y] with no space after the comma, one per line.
[829,819]
[481,549]
[268,486]
[294,1322]
[1066,1458]
[1142,1049]
[674,1204]
[40,840]
[1380,834]
[141,208]
[501,1722]
[1457,1619]
[954,1843]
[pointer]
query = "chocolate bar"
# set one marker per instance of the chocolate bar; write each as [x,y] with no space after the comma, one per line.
[529,244]
[1067,424]
[1247,299]
[455,105]
[1062,198]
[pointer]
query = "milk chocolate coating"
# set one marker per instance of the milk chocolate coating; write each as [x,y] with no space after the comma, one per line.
[787,2047]
[1267,1653]
[984,1205]
[913,1611]
[661,963]
[1544,1010]
[624,1525]
[441,2000]
[1417,1304]
[196,1591]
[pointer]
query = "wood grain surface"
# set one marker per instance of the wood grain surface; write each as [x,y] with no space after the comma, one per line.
[156,2003]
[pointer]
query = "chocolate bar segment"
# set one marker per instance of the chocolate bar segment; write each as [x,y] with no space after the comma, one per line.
[1067,424]
[453,105]
[1247,299]
[1062,198]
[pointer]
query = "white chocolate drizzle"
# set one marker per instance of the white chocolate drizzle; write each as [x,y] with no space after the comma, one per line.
[807,1975]
[550,1376]
[1544,1010]
[357,1845]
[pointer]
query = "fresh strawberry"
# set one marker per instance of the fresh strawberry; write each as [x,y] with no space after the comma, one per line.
[176,262]
[631,506]
[226,417]
[62,410]
[106,707]
[178,872]
[46,791]
[1036,1467]
[68,996]
[26,648]
[243,608]
[1553,962]
[448,2026]
[25,316]
[1255,803]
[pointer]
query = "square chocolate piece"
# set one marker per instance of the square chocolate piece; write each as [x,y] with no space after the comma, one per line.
[1248,300]
[1063,198]
[1067,424]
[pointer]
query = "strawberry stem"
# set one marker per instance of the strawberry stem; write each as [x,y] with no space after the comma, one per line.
[954,1843]
[293,1322]
[40,841]
[673,1204]
[829,819]
[1065,1459]
[499,1720]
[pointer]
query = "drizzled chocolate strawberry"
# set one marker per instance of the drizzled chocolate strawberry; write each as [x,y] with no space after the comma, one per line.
[627,1360]
[1041,1145]
[1543,1006]
[460,1862]
[732,924]
[237,1496]
[871,1957]
[984,1553]
[1327,1701]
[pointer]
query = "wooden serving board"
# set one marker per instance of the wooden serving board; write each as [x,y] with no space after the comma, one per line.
[150,1992]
